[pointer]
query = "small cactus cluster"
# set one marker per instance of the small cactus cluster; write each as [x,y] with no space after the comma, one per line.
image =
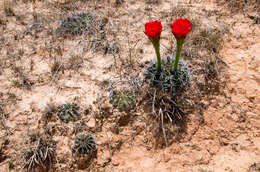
[123,99]
[77,24]
[174,81]
[84,143]
[68,112]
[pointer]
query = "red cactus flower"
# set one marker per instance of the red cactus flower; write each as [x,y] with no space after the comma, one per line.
[181,28]
[153,29]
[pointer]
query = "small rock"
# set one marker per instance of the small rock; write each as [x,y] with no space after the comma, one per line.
[115,163]
[91,123]
[114,128]
[87,109]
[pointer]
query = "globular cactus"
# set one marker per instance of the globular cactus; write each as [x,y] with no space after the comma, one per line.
[84,144]
[77,24]
[123,99]
[68,112]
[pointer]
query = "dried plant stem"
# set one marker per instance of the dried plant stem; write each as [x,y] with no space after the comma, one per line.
[54,75]
[164,133]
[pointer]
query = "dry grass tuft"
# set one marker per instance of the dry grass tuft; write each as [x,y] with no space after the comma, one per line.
[3,145]
[22,80]
[39,155]
[213,70]
[7,6]
[209,39]
[242,5]
[119,2]
[152,1]
[75,62]
[48,113]
[55,68]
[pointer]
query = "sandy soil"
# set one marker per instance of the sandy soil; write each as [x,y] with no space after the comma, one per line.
[228,139]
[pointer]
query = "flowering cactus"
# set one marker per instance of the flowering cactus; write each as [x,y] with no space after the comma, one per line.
[153,30]
[180,29]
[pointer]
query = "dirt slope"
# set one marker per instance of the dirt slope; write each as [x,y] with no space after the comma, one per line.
[228,139]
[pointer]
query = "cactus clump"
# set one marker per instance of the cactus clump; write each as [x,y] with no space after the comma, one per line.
[123,99]
[77,23]
[68,112]
[174,81]
[84,143]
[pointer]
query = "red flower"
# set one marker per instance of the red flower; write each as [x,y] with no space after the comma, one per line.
[153,29]
[181,28]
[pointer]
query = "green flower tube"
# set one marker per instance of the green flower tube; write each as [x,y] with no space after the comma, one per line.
[178,53]
[156,45]
[180,29]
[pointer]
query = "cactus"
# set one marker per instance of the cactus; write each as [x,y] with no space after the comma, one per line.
[68,112]
[84,144]
[77,24]
[122,99]
[174,81]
